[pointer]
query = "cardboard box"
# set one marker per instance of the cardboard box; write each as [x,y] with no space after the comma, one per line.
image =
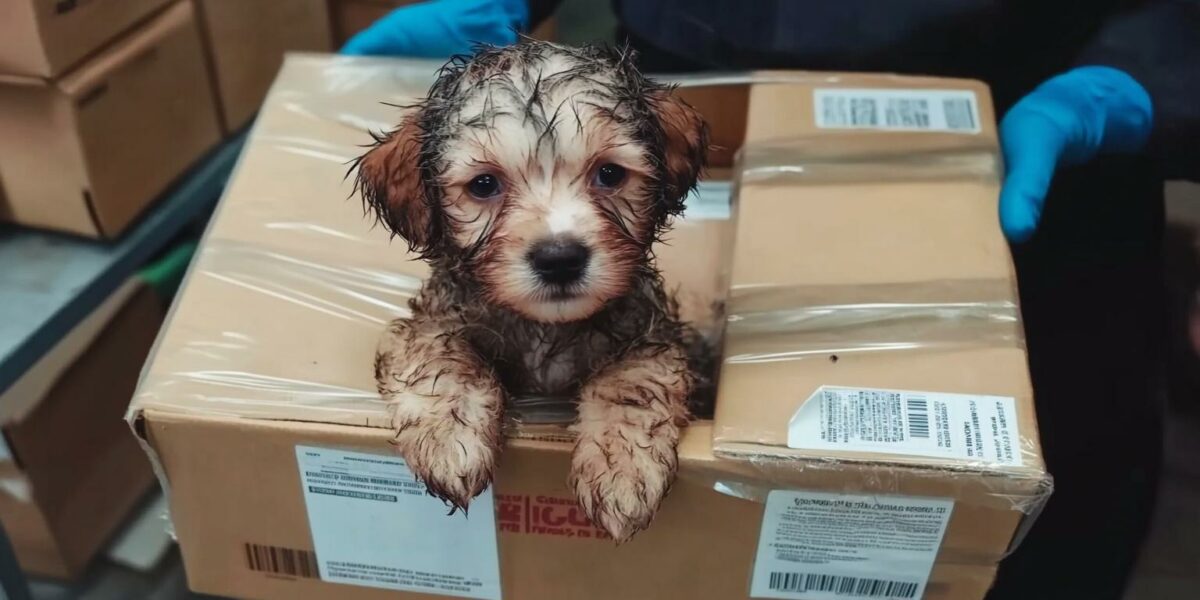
[271,342]
[348,17]
[85,153]
[43,38]
[69,474]
[246,42]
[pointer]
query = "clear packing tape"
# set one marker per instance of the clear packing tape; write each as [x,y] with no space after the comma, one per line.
[770,324]
[292,286]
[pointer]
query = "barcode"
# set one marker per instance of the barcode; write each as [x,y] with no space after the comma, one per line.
[841,585]
[841,111]
[909,113]
[960,114]
[905,110]
[282,561]
[918,418]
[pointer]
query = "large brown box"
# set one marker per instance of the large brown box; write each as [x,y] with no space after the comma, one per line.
[246,41]
[87,152]
[43,38]
[270,347]
[70,475]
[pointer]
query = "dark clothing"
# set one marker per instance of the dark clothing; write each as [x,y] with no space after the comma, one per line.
[1011,44]
[1091,286]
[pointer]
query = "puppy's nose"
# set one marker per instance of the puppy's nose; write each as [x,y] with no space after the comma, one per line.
[559,262]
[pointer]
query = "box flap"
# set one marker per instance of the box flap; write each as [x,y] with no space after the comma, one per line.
[126,51]
[43,38]
[25,80]
[868,256]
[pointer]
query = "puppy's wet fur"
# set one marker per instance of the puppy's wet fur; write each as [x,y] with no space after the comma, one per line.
[535,180]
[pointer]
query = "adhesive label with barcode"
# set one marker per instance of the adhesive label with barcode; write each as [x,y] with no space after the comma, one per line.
[374,525]
[822,546]
[978,429]
[954,111]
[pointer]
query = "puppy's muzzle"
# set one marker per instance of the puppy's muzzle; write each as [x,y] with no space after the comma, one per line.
[559,262]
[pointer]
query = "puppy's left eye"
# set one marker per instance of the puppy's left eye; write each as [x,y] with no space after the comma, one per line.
[610,175]
[484,187]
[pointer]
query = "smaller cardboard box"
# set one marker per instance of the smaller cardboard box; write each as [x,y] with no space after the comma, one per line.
[69,474]
[86,152]
[348,17]
[246,42]
[43,38]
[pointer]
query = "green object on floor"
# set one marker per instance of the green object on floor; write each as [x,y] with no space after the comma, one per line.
[165,274]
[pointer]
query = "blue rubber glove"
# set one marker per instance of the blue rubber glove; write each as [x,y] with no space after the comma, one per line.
[441,28]
[1067,120]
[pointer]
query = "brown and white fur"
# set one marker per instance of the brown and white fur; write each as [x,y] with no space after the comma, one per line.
[535,179]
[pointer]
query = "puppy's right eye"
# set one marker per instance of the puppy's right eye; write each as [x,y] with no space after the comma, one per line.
[484,187]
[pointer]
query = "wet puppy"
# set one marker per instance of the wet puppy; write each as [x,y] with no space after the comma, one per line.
[535,179]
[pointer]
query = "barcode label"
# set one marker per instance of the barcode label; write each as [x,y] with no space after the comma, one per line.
[374,525]
[983,430]
[282,561]
[851,587]
[823,546]
[918,417]
[954,111]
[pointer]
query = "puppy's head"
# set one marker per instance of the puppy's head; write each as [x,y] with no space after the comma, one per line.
[544,172]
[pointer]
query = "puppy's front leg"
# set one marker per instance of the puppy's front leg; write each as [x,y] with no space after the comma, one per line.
[446,407]
[630,418]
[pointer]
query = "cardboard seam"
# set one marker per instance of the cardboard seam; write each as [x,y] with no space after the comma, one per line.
[137,425]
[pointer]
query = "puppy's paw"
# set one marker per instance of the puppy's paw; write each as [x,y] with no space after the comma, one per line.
[452,445]
[621,473]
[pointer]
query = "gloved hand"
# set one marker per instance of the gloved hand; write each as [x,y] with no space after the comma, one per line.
[1067,120]
[441,28]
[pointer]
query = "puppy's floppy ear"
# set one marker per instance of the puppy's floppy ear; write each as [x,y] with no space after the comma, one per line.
[389,178]
[685,151]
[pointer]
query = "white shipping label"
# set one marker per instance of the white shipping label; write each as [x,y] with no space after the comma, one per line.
[978,429]
[955,111]
[819,546]
[373,525]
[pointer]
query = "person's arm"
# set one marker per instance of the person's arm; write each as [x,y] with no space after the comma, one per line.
[1134,91]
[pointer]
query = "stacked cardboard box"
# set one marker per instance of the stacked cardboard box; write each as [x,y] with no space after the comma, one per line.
[86,150]
[68,472]
[246,42]
[260,412]
[104,104]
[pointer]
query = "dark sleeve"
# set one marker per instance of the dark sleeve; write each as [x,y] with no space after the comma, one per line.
[1158,43]
[540,10]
